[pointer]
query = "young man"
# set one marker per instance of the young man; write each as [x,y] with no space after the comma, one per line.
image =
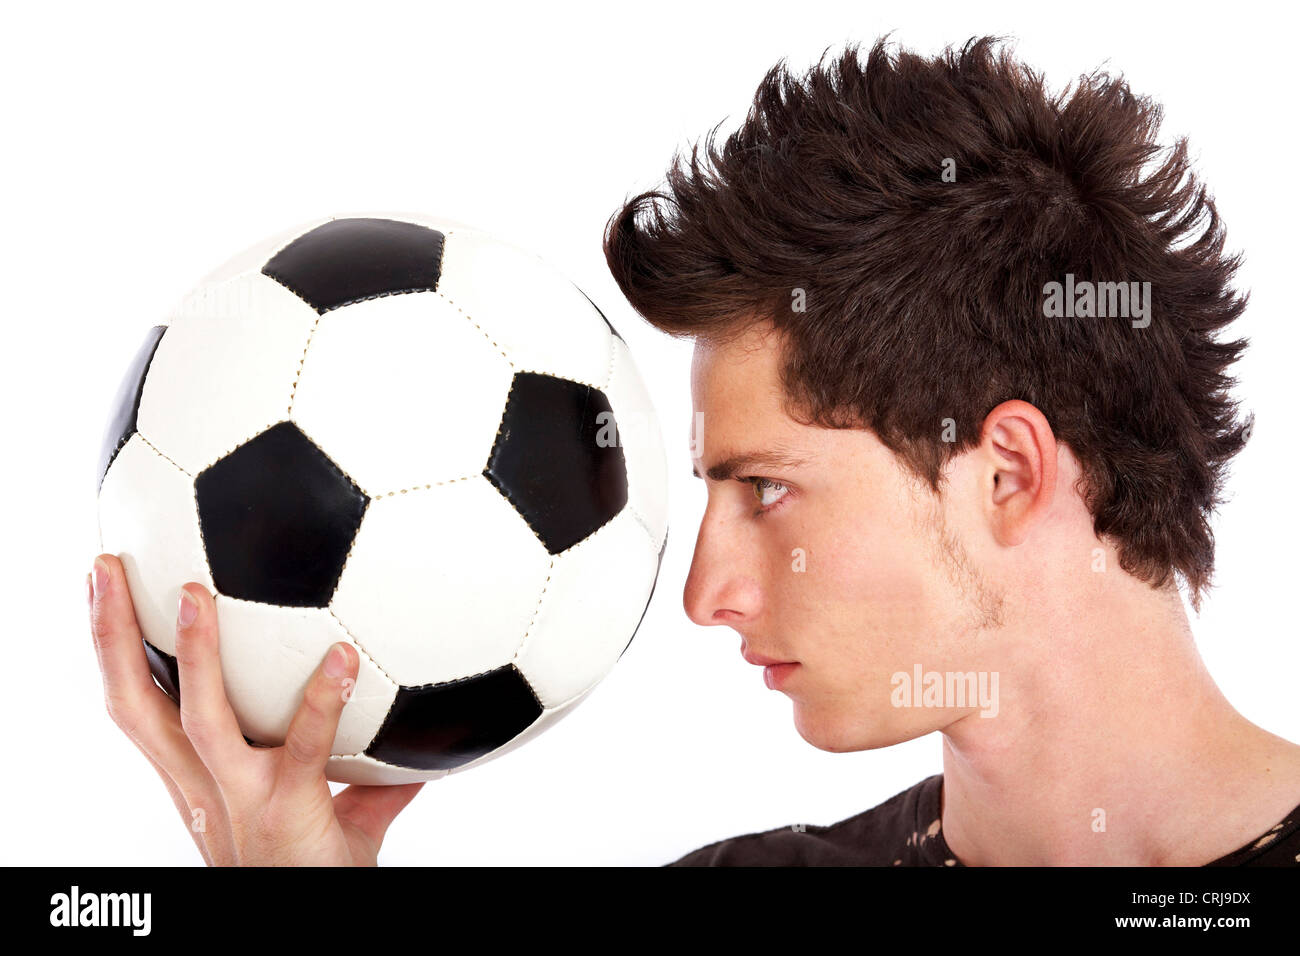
[953,474]
[919,463]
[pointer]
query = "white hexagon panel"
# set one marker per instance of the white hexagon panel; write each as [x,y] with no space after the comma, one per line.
[398,432]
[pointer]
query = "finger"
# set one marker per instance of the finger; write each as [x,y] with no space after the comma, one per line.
[137,705]
[311,733]
[195,823]
[372,809]
[134,701]
[140,708]
[198,800]
[206,715]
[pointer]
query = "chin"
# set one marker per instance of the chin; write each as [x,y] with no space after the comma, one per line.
[837,732]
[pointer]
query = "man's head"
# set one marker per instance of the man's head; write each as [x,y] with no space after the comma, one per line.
[863,266]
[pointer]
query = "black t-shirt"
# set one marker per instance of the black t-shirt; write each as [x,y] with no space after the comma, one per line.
[905,831]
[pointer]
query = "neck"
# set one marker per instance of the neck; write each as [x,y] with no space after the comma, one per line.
[1114,747]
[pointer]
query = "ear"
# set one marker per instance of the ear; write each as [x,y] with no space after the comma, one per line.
[1020,454]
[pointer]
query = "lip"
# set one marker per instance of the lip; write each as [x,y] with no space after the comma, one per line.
[775,670]
[774,675]
[760,660]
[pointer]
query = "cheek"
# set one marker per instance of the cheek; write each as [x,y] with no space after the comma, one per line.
[866,603]
[881,579]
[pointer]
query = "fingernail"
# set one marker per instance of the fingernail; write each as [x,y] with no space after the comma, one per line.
[336,664]
[90,590]
[101,577]
[189,609]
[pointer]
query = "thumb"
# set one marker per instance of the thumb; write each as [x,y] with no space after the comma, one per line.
[372,808]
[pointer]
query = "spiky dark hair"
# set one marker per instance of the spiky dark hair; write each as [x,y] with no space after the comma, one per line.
[925,298]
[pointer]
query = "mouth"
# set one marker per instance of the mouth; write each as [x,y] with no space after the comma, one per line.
[760,660]
[775,670]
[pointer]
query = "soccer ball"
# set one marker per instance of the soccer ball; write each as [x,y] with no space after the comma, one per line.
[400,433]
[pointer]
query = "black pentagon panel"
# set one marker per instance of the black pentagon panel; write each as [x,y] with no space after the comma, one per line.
[348,260]
[165,671]
[653,584]
[126,404]
[445,726]
[554,461]
[600,313]
[278,517]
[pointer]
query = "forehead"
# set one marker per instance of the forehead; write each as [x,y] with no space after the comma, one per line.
[747,367]
[736,390]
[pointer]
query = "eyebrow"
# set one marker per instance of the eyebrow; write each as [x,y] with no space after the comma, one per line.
[747,460]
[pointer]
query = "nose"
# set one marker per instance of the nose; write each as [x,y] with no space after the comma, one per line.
[722,586]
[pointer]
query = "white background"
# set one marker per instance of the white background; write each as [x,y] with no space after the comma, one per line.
[145,144]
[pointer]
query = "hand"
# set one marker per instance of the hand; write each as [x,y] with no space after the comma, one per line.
[243,805]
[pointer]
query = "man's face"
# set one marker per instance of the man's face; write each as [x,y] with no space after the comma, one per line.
[818,548]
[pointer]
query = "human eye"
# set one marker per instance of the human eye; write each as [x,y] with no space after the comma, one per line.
[769,493]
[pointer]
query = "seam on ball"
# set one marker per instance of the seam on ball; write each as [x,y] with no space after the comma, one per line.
[609,373]
[645,525]
[360,647]
[446,298]
[293,391]
[435,484]
[156,450]
[442,253]
[550,570]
